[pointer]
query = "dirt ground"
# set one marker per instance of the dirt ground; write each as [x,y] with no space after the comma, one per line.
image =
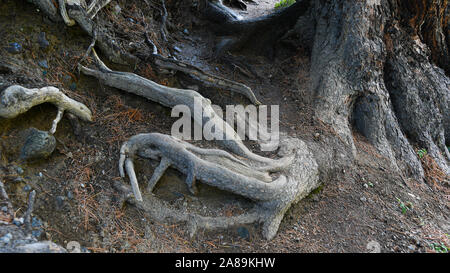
[360,205]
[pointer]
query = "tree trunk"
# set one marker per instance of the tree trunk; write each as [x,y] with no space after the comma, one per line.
[371,71]
[379,67]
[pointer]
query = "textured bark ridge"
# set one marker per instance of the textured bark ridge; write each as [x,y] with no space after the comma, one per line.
[370,72]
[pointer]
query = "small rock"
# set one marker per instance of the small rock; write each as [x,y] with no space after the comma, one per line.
[36,233]
[18,221]
[14,48]
[117,9]
[43,64]
[70,195]
[27,188]
[19,170]
[243,233]
[73,86]
[19,179]
[42,41]
[36,222]
[38,144]
[60,201]
[6,239]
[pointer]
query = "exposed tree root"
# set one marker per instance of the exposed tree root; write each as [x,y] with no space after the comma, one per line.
[258,35]
[171,97]
[95,6]
[235,4]
[5,201]
[214,167]
[205,78]
[16,100]
[27,215]
[221,170]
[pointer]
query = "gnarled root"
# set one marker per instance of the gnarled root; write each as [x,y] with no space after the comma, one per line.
[222,170]
[214,167]
[16,100]
[258,35]
[171,97]
[205,78]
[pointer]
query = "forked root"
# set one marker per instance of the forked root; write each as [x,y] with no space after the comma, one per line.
[171,97]
[272,197]
[16,100]
[220,170]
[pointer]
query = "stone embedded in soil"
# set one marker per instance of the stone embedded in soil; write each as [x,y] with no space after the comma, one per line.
[14,48]
[73,86]
[6,239]
[38,144]
[19,170]
[60,202]
[27,188]
[42,41]
[43,64]
[243,233]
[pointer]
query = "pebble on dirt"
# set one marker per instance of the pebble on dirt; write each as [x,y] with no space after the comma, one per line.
[6,239]
[73,86]
[38,144]
[14,48]
[43,64]
[243,233]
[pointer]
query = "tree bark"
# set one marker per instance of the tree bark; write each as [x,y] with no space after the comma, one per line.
[371,72]
[379,67]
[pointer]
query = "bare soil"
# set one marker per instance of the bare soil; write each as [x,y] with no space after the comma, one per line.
[360,202]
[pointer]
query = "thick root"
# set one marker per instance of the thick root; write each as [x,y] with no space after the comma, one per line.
[171,97]
[216,170]
[205,78]
[272,199]
[16,100]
